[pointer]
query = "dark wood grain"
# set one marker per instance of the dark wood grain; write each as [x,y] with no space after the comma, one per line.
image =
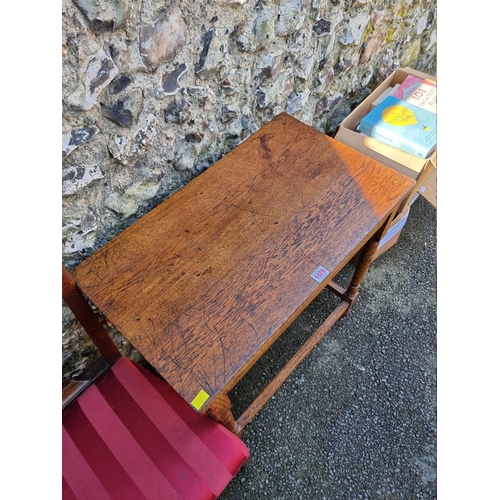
[204,283]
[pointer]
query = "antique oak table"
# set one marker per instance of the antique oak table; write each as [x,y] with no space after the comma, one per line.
[204,283]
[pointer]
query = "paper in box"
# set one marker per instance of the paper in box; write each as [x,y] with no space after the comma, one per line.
[422,170]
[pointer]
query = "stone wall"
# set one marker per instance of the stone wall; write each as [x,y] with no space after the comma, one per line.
[156,92]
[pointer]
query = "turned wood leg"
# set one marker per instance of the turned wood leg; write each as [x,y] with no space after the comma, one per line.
[366,258]
[362,266]
[220,410]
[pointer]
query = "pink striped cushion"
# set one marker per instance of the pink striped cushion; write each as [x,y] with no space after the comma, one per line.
[131,436]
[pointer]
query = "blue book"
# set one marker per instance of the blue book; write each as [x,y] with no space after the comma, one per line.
[401,125]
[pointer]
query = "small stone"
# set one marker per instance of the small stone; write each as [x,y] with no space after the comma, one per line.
[206,39]
[376,17]
[193,137]
[128,203]
[290,17]
[177,111]
[422,24]
[243,43]
[118,114]
[100,71]
[235,79]
[234,130]
[322,27]
[119,84]
[305,66]
[296,101]
[432,39]
[127,150]
[256,33]
[375,45]
[343,65]
[264,28]
[76,177]
[184,154]
[271,65]
[326,104]
[122,206]
[276,93]
[354,31]
[410,53]
[105,15]
[77,137]
[210,133]
[245,121]
[214,52]
[317,7]
[325,77]
[228,114]
[260,96]
[88,351]
[197,91]
[184,162]
[80,234]
[160,41]
[170,81]
[124,112]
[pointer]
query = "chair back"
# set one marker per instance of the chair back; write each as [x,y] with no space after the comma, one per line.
[126,433]
[79,306]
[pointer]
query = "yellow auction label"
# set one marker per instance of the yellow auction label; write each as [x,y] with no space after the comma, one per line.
[200,399]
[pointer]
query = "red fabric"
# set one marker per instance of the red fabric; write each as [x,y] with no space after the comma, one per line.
[130,435]
[66,491]
[95,454]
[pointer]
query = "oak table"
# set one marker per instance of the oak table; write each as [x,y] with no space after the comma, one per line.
[204,283]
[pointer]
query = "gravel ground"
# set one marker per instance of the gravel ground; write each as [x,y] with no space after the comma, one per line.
[357,419]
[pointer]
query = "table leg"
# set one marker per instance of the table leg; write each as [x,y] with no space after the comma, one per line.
[362,266]
[220,410]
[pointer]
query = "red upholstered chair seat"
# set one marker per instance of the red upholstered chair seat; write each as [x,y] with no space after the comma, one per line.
[131,436]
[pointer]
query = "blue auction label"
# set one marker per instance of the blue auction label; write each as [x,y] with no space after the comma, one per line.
[320,274]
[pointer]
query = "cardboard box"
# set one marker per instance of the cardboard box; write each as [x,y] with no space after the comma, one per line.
[422,170]
[393,233]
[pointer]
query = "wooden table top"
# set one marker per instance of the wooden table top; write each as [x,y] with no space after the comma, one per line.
[204,283]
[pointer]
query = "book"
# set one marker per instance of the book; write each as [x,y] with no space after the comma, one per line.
[402,125]
[416,91]
[382,96]
[421,93]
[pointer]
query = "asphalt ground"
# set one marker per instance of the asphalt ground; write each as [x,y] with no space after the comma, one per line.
[357,418]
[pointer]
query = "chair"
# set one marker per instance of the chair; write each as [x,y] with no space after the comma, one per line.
[129,435]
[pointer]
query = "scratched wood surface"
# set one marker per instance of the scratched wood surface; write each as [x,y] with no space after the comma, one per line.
[203,284]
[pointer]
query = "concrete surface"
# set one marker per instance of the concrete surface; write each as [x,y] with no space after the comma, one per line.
[357,419]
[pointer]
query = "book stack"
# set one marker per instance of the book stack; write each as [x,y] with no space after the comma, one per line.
[404,117]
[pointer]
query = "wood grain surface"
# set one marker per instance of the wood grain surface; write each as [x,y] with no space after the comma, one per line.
[204,283]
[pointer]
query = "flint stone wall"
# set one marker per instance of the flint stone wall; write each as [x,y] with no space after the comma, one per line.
[155,92]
